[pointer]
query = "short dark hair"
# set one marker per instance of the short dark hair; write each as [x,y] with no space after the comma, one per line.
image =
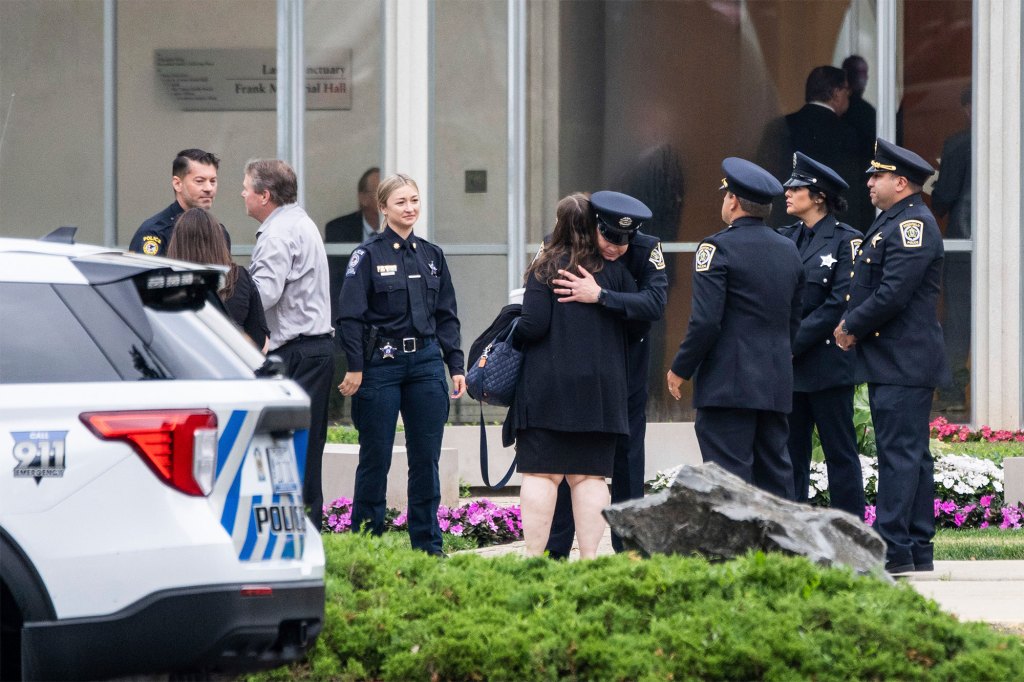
[834,202]
[755,209]
[852,61]
[364,179]
[181,162]
[274,176]
[822,83]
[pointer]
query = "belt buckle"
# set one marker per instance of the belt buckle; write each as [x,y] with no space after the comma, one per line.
[409,344]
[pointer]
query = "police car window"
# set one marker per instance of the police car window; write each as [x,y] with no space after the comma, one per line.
[41,341]
[190,349]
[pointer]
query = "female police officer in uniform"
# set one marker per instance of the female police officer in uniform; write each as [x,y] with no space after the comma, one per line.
[823,375]
[399,327]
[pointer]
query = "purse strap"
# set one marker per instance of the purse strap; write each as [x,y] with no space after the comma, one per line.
[483,458]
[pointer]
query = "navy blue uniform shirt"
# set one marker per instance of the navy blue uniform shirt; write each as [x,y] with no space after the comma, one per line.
[894,299]
[747,291]
[154,235]
[818,363]
[375,293]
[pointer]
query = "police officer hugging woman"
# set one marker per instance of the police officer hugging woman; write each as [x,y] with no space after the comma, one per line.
[399,328]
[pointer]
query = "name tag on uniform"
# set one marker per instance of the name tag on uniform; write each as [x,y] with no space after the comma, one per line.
[387,270]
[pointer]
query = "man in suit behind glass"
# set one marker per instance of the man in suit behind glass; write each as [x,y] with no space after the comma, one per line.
[353,228]
[817,130]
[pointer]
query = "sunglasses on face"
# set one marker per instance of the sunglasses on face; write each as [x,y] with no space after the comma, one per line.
[616,237]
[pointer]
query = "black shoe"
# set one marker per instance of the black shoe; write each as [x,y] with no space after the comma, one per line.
[558,556]
[439,554]
[924,567]
[894,568]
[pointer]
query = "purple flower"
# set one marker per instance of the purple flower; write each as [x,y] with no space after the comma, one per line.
[456,529]
[986,500]
[869,514]
[401,519]
[958,519]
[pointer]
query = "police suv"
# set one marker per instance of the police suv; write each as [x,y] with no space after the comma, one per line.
[151,517]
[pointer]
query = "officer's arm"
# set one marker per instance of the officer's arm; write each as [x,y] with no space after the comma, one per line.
[136,244]
[446,323]
[271,261]
[902,273]
[821,321]
[648,303]
[352,307]
[709,292]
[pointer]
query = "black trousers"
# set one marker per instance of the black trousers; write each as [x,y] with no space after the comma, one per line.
[904,508]
[748,443]
[831,410]
[627,480]
[310,362]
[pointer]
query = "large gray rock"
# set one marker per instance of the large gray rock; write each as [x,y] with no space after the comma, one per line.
[708,511]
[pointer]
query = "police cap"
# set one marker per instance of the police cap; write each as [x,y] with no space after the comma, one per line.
[892,159]
[749,181]
[809,173]
[619,215]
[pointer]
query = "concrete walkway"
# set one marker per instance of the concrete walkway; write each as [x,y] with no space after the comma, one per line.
[987,591]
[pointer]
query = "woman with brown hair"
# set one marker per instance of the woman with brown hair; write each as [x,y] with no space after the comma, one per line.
[199,238]
[570,404]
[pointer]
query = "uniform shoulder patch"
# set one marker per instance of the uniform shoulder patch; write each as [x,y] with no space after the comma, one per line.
[912,233]
[151,244]
[705,252]
[657,258]
[854,245]
[353,262]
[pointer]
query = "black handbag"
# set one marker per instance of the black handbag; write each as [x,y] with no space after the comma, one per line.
[493,377]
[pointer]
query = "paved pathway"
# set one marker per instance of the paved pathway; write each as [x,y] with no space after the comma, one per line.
[988,591]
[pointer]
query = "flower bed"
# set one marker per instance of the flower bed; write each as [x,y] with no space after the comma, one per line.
[942,430]
[969,491]
[481,521]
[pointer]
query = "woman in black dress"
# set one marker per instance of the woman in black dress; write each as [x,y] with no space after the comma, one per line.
[199,238]
[571,401]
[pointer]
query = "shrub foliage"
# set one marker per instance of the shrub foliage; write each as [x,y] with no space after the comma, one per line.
[397,614]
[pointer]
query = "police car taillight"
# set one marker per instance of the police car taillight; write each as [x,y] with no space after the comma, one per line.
[180,446]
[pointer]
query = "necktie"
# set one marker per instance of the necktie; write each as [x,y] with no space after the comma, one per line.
[415,287]
[806,234]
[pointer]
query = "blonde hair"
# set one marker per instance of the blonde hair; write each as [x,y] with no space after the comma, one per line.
[390,184]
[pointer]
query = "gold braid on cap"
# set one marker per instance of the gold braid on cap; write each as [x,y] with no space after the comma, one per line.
[883,166]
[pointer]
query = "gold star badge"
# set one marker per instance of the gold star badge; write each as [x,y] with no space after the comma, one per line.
[874,240]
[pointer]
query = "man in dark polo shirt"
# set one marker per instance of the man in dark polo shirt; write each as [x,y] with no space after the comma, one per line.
[194,180]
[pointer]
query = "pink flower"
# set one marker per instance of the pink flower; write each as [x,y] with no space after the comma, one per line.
[869,514]
[456,529]
[958,519]
[986,500]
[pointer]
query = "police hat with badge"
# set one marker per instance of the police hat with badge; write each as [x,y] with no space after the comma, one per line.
[810,173]
[890,158]
[749,181]
[619,215]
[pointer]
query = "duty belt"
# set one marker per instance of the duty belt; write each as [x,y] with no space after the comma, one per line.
[409,344]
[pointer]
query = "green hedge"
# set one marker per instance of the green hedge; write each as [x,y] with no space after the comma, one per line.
[397,614]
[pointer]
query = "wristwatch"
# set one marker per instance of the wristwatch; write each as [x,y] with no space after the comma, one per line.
[601,297]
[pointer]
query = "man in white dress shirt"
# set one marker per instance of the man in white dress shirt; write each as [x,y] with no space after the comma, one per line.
[289,266]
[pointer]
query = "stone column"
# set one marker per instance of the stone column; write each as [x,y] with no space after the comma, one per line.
[996,393]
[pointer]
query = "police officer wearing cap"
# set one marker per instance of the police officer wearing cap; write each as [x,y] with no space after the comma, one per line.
[399,328]
[619,219]
[823,378]
[747,292]
[891,321]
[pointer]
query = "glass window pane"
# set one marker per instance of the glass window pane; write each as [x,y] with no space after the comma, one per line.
[470,86]
[934,119]
[159,109]
[51,111]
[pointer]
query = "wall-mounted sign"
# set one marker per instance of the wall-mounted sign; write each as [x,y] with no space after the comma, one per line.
[245,79]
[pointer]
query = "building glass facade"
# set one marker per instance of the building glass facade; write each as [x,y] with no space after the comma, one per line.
[498,109]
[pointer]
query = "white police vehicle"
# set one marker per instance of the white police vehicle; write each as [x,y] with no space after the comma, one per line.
[151,518]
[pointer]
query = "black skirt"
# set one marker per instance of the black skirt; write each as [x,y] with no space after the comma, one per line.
[543,451]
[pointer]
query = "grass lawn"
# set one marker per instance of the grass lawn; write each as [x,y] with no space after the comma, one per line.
[990,543]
